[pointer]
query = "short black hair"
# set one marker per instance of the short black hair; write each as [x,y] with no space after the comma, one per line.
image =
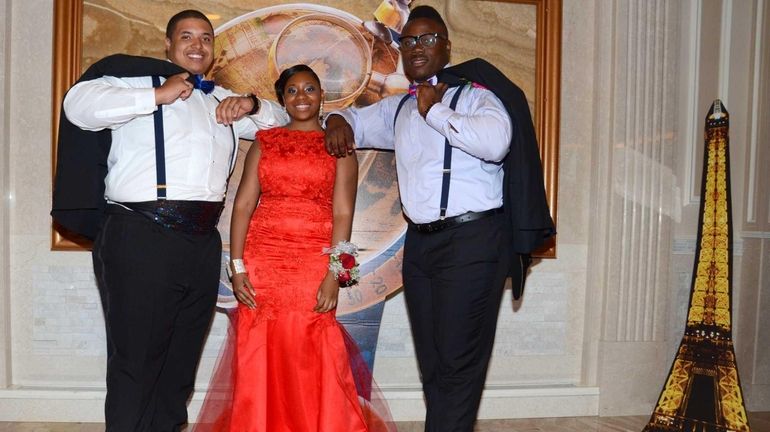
[189,13]
[427,12]
[280,83]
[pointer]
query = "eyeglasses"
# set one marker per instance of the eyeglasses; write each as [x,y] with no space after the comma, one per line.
[427,40]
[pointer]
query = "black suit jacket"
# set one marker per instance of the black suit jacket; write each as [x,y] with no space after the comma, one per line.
[524,200]
[81,160]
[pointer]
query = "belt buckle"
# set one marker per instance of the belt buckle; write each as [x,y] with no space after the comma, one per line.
[437,225]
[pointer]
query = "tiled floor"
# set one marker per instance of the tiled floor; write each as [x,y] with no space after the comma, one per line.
[760,422]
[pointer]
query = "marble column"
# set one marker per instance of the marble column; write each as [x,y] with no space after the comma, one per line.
[752,316]
[5,320]
[632,194]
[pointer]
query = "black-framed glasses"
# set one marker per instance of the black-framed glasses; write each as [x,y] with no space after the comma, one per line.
[427,40]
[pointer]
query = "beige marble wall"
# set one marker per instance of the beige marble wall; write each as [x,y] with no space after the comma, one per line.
[31,163]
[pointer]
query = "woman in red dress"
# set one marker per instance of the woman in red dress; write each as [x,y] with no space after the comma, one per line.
[290,360]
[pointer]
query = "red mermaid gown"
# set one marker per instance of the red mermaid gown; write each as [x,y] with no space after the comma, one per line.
[291,367]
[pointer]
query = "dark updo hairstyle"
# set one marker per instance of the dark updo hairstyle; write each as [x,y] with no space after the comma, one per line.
[280,83]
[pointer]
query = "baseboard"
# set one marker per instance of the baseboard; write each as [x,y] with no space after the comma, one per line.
[406,404]
[508,402]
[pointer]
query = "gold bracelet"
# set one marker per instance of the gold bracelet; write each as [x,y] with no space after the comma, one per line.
[238,266]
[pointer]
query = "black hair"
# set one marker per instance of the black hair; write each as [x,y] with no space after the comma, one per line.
[189,13]
[427,12]
[280,83]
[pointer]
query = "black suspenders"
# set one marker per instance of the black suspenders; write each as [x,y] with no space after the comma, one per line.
[447,171]
[160,147]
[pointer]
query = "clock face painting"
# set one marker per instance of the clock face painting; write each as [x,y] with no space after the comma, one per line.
[358,64]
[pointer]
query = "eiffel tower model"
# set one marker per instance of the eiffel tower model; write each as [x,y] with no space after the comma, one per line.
[703,392]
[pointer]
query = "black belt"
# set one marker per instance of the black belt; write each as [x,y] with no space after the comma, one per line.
[453,221]
[191,217]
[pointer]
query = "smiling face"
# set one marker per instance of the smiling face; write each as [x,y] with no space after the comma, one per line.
[302,97]
[191,45]
[421,63]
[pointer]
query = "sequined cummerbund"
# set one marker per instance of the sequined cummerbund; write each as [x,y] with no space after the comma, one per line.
[191,217]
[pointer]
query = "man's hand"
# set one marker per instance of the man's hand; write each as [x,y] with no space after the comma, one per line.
[339,139]
[234,108]
[429,95]
[175,87]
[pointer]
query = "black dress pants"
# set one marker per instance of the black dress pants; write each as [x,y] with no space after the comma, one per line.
[158,289]
[453,284]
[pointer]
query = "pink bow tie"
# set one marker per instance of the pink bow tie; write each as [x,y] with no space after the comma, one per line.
[413,87]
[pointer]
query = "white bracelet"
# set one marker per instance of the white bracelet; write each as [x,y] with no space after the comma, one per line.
[238,266]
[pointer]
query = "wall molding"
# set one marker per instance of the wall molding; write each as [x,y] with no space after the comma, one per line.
[725,36]
[693,122]
[5,194]
[755,234]
[751,212]
[406,404]
[643,104]
[687,245]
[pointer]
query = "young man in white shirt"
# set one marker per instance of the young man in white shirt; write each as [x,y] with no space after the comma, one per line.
[455,253]
[157,255]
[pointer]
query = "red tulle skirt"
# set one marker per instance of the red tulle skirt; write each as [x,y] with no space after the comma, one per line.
[300,372]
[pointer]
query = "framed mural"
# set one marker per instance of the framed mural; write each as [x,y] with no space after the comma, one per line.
[350,43]
[256,38]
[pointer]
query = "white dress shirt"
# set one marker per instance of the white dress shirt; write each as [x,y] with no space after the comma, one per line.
[479,130]
[199,151]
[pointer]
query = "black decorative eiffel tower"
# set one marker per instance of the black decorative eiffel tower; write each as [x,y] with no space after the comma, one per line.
[703,392]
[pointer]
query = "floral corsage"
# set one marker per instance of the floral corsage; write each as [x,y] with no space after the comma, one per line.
[343,263]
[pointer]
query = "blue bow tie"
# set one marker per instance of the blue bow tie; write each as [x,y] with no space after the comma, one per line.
[201,84]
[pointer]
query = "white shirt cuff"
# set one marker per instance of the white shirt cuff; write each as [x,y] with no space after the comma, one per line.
[344,114]
[438,116]
[144,101]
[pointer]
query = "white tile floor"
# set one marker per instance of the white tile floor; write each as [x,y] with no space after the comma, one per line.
[760,422]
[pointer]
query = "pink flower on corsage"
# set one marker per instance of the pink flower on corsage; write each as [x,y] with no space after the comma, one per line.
[343,264]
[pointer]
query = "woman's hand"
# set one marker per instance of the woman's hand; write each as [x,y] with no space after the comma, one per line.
[243,290]
[327,294]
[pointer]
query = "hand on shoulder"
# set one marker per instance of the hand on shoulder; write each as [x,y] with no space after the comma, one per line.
[339,138]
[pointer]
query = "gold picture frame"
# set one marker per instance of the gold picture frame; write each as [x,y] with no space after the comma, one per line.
[67,56]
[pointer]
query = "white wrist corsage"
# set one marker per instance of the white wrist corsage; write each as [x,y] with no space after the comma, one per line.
[343,263]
